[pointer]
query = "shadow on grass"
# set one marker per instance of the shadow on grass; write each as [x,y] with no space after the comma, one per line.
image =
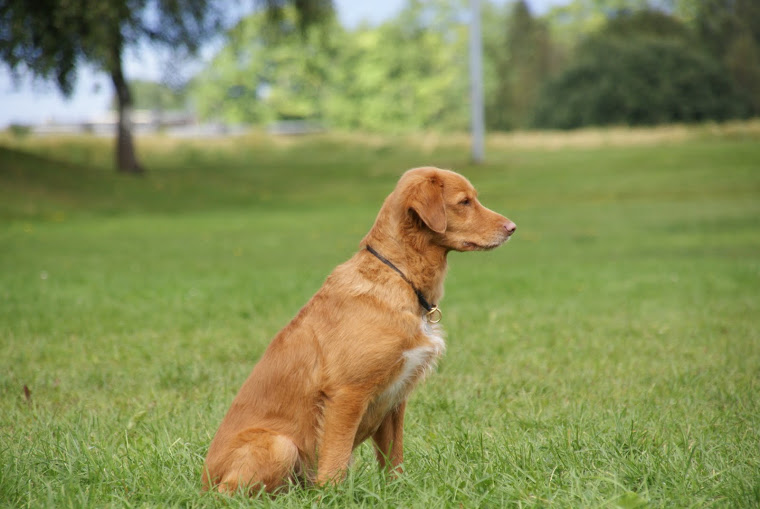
[73,179]
[39,187]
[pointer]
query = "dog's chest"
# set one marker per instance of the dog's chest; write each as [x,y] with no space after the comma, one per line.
[417,362]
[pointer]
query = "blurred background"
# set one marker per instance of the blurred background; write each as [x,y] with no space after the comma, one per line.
[378,66]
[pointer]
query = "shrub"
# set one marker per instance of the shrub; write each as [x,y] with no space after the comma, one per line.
[639,80]
[19,130]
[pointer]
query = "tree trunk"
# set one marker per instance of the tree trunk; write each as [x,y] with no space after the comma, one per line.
[126,160]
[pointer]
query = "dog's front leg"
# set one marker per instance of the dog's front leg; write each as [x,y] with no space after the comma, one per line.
[389,440]
[343,411]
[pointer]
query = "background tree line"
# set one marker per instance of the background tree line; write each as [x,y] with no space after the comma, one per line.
[52,39]
[590,62]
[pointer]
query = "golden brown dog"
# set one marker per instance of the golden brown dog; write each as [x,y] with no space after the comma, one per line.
[341,371]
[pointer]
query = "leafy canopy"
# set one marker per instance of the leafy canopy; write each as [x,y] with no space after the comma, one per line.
[409,73]
[51,38]
[642,69]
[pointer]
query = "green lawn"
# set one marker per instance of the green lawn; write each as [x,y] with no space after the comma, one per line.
[607,356]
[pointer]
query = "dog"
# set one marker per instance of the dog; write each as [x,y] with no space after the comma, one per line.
[341,371]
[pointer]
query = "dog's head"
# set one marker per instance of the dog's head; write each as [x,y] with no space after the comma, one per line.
[444,207]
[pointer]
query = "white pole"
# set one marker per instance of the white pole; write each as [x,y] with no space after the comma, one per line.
[476,84]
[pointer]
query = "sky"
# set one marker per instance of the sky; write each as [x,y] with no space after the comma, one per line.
[29,102]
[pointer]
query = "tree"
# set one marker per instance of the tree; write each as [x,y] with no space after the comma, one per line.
[51,38]
[731,31]
[577,18]
[638,72]
[410,73]
[523,57]
[407,74]
[269,70]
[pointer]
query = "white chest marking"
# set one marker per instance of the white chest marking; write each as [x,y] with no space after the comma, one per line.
[418,362]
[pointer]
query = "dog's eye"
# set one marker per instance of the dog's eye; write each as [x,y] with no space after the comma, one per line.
[466,201]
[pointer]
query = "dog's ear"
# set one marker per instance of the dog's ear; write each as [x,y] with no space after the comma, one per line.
[426,199]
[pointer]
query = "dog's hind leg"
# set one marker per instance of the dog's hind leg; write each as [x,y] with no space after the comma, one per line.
[389,440]
[260,459]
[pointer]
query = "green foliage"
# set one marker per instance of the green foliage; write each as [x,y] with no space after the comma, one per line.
[149,95]
[607,356]
[641,69]
[19,130]
[308,12]
[721,21]
[406,74]
[50,38]
[576,19]
[730,29]
[646,22]
[633,66]
[522,56]
[268,70]
[410,73]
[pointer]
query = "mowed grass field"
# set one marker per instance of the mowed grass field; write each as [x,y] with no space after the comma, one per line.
[607,356]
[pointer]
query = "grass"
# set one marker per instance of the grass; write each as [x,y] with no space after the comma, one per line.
[608,356]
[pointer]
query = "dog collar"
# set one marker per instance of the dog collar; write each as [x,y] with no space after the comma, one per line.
[433,313]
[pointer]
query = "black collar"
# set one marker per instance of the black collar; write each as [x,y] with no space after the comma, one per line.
[433,313]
